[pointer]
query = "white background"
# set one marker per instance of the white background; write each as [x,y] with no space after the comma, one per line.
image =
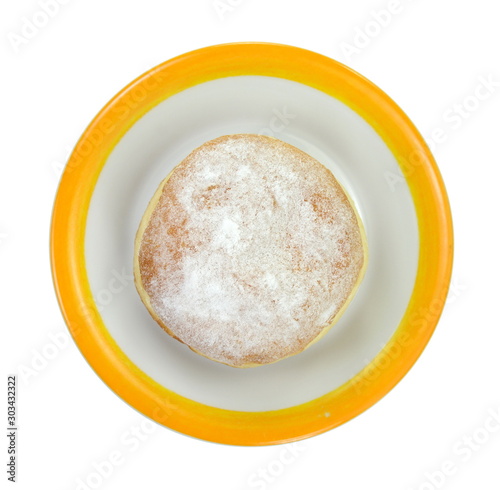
[430,57]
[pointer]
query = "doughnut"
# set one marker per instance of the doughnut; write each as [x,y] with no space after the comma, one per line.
[249,251]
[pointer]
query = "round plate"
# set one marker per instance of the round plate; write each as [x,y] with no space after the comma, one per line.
[323,108]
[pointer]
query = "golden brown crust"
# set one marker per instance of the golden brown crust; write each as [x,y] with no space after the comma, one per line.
[319,254]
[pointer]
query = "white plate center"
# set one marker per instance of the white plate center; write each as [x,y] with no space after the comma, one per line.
[314,122]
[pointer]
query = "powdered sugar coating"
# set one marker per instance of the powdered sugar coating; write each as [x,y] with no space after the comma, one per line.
[251,250]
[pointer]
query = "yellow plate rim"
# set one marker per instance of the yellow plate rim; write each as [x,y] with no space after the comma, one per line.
[81,314]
